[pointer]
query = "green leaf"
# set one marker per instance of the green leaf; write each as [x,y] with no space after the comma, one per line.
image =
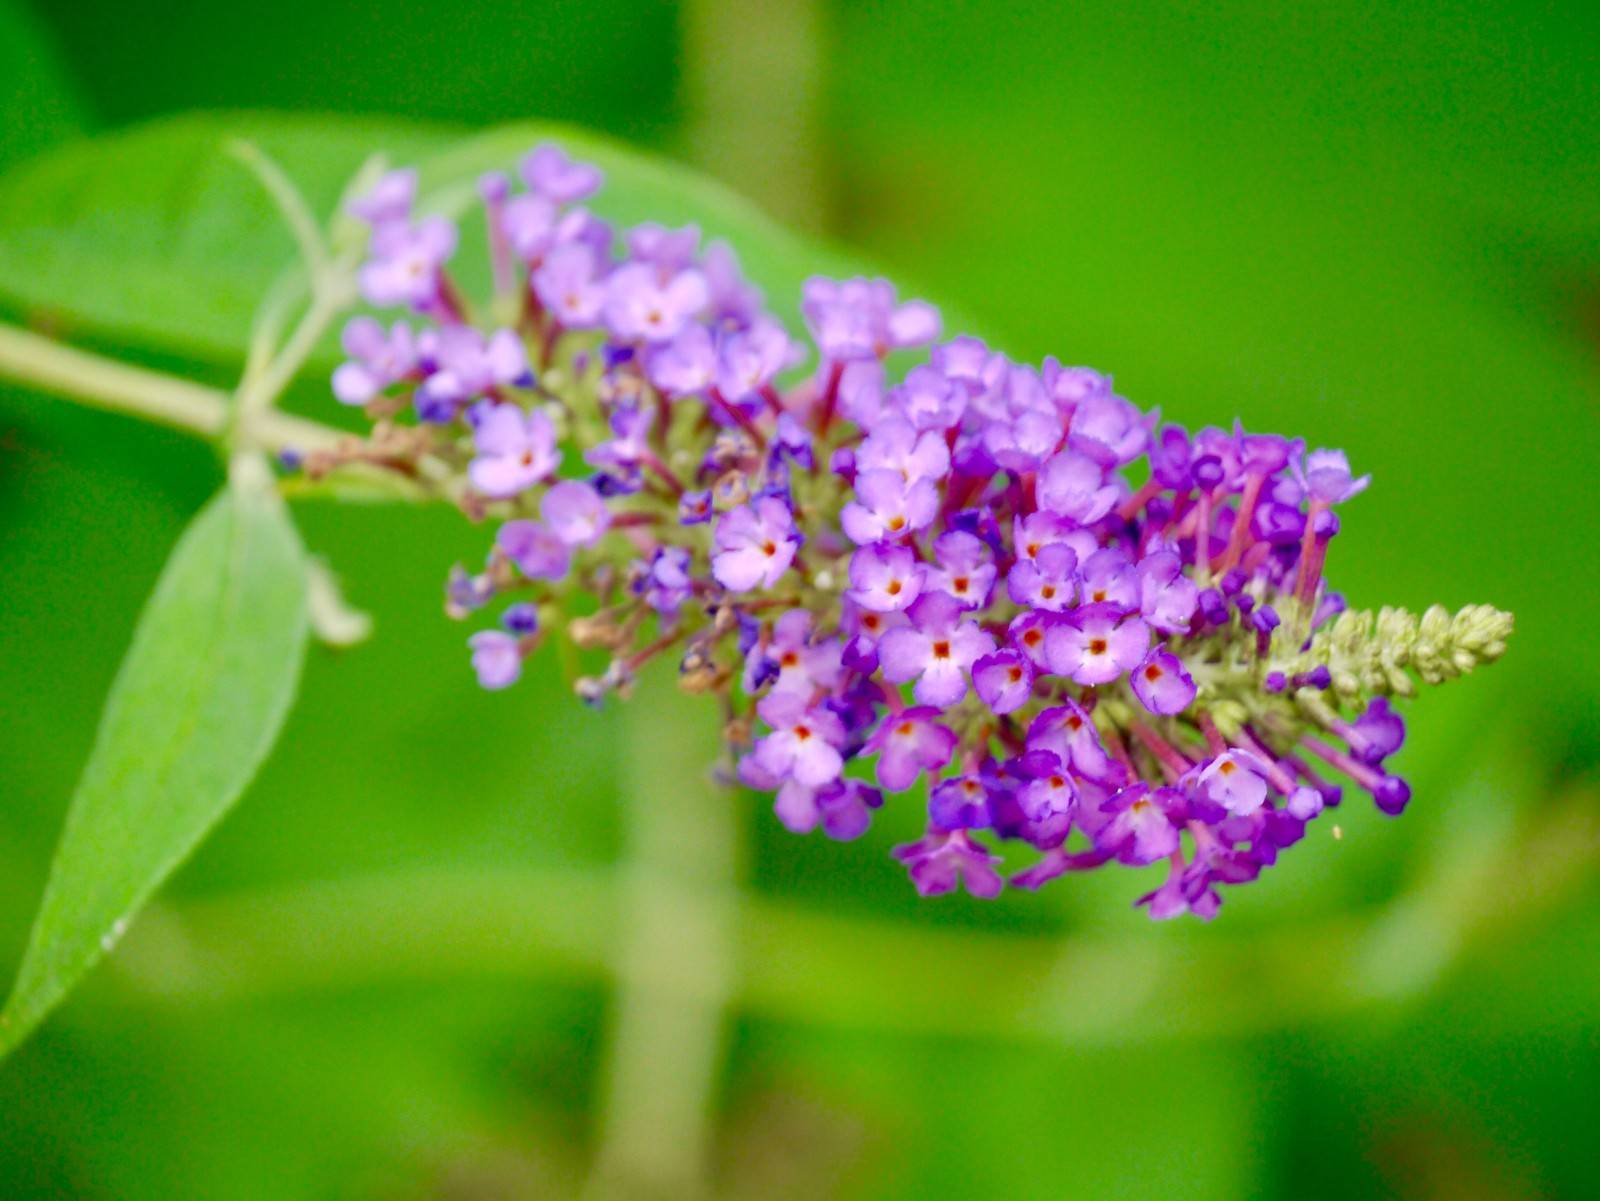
[154,237]
[39,106]
[197,704]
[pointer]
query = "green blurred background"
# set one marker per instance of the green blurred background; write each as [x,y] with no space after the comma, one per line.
[426,956]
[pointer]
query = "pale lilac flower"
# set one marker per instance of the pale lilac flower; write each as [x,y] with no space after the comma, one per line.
[1074,486]
[1167,597]
[885,579]
[754,545]
[574,512]
[1049,581]
[570,286]
[1327,476]
[1068,732]
[642,306]
[685,366]
[909,743]
[1108,429]
[1142,828]
[1004,680]
[515,450]
[1162,684]
[1234,780]
[895,445]
[378,358]
[945,858]
[1096,644]
[550,173]
[406,263]
[962,569]
[936,651]
[387,201]
[536,551]
[887,507]
[496,657]
[749,360]
[804,742]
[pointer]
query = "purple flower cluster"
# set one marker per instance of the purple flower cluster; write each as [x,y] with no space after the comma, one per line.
[1082,631]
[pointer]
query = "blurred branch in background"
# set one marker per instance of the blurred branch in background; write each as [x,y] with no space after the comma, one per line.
[753,74]
[677,903]
[42,363]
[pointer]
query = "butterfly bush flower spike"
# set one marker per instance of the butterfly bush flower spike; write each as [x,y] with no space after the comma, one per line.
[1071,636]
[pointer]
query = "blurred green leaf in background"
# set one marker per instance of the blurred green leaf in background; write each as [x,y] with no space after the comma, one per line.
[403,967]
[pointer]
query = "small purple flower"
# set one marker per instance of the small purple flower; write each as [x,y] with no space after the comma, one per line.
[569,284]
[928,400]
[942,859]
[1235,781]
[1070,387]
[895,445]
[629,444]
[643,306]
[378,358]
[668,582]
[804,743]
[1142,828]
[667,250]
[1096,644]
[387,201]
[1110,579]
[1162,684]
[574,513]
[1108,429]
[887,507]
[1048,581]
[1378,733]
[687,365]
[964,358]
[465,366]
[1069,734]
[963,569]
[694,508]
[1004,680]
[885,579]
[406,261]
[801,664]
[1167,597]
[959,803]
[1050,792]
[754,545]
[936,651]
[515,449]
[1327,477]
[1074,486]
[496,657]
[749,360]
[858,318]
[549,172]
[843,809]
[734,300]
[537,552]
[909,743]
[1029,633]
[1031,534]
[521,618]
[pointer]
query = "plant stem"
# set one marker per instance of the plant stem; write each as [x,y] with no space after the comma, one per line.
[676,969]
[28,358]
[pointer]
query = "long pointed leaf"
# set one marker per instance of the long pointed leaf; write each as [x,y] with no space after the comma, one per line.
[197,704]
